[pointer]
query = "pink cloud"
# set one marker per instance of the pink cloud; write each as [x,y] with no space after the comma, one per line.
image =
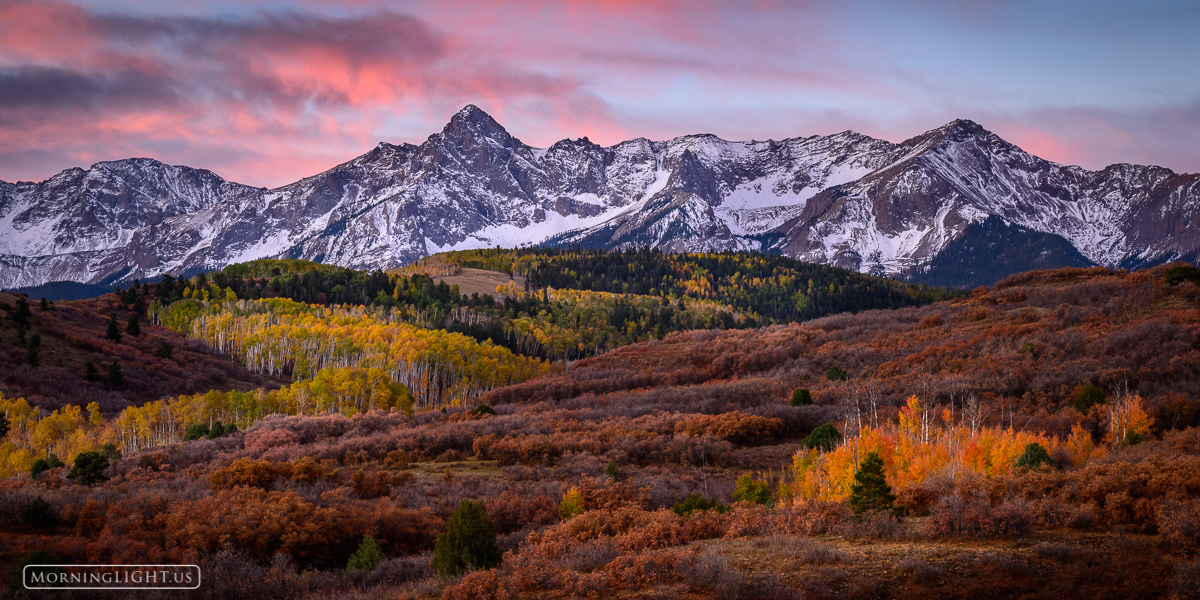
[266,97]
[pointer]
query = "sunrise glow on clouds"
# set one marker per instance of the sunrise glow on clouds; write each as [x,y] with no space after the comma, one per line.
[266,93]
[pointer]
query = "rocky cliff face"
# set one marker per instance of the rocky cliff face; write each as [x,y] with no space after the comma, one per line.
[846,199]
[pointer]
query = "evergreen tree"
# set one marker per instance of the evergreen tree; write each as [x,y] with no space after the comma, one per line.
[1034,456]
[695,503]
[366,558]
[164,350]
[133,327]
[23,313]
[114,329]
[1088,396]
[90,373]
[3,425]
[825,437]
[612,470]
[115,377]
[39,515]
[45,305]
[801,397]
[217,431]
[836,373]
[871,492]
[89,468]
[195,432]
[21,335]
[17,572]
[469,541]
[44,464]
[31,356]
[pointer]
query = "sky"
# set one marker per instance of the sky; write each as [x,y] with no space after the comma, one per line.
[267,92]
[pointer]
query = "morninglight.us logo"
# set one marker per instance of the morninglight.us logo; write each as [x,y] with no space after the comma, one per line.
[111,577]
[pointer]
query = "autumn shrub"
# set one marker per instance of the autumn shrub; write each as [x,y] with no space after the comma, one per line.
[653,568]
[91,519]
[748,519]
[397,459]
[249,472]
[975,516]
[262,523]
[606,494]
[703,525]
[1179,522]
[307,469]
[661,529]
[1054,551]
[918,570]
[872,526]
[1185,582]
[917,499]
[735,426]
[511,511]
[813,517]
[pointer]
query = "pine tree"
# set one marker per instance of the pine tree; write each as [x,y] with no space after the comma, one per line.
[23,313]
[801,397]
[870,492]
[114,330]
[90,372]
[366,558]
[31,356]
[164,350]
[824,437]
[836,373]
[469,541]
[89,468]
[1034,456]
[133,327]
[115,377]
[3,425]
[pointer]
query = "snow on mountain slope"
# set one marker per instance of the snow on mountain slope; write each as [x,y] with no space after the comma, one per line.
[900,216]
[844,199]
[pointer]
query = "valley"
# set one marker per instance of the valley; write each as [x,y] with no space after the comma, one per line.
[634,424]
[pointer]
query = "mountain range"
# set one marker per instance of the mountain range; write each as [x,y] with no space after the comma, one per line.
[958,192]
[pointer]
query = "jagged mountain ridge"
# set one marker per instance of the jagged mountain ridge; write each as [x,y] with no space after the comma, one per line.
[844,199]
